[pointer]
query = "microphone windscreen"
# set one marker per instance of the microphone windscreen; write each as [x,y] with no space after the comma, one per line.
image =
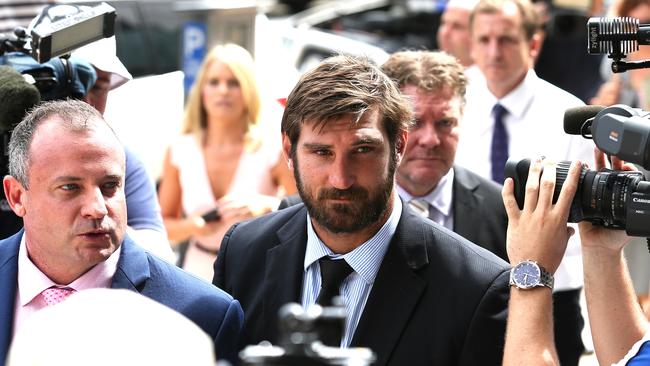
[16,97]
[575,117]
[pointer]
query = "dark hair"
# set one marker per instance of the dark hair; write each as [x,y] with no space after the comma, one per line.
[75,116]
[345,86]
[428,71]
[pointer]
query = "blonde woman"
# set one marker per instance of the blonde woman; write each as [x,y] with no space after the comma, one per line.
[220,162]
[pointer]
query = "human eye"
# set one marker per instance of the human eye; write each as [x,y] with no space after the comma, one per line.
[364,149]
[233,83]
[322,152]
[213,82]
[69,187]
[445,125]
[417,123]
[110,188]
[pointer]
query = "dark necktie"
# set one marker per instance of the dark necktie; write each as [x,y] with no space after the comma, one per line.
[499,150]
[332,274]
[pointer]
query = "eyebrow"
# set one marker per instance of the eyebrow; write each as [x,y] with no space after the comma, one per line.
[72,178]
[362,141]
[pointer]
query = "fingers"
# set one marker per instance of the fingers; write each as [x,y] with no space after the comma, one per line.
[547,185]
[532,185]
[509,201]
[599,159]
[569,188]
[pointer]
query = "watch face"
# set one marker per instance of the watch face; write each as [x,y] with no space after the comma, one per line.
[526,275]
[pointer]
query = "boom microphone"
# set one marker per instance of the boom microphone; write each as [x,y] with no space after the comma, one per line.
[576,120]
[616,35]
[17,98]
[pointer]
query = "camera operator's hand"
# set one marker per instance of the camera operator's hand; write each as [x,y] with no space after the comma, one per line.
[539,232]
[615,317]
[593,236]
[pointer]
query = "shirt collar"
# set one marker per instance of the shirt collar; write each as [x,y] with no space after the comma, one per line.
[364,259]
[520,98]
[440,197]
[31,281]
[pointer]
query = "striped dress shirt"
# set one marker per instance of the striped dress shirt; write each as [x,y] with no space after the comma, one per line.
[365,260]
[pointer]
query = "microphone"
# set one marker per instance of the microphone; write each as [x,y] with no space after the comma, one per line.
[17,96]
[616,35]
[577,119]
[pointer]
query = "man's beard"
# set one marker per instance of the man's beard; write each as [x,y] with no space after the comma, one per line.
[363,209]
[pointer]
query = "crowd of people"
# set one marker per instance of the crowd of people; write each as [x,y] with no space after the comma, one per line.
[383,191]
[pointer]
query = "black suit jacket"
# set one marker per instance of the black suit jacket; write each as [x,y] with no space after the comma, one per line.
[437,300]
[479,214]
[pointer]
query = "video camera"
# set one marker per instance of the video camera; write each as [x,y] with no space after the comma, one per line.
[42,55]
[308,338]
[613,199]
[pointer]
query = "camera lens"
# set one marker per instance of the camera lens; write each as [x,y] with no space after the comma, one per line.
[601,197]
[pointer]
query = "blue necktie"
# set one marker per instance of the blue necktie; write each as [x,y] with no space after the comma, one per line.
[499,150]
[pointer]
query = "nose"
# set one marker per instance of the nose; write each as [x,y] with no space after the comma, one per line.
[427,135]
[341,175]
[494,49]
[94,205]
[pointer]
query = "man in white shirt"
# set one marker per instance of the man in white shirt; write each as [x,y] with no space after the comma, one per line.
[453,33]
[450,195]
[517,115]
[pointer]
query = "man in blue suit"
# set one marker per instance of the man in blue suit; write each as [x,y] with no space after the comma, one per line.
[66,181]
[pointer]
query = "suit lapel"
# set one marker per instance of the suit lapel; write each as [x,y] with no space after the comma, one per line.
[396,291]
[284,269]
[8,284]
[467,221]
[132,267]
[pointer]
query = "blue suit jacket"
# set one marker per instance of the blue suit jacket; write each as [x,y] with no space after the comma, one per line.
[213,310]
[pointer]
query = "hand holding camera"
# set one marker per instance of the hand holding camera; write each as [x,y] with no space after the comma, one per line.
[541,217]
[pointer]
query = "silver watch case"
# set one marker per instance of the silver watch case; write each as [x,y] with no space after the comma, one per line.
[528,274]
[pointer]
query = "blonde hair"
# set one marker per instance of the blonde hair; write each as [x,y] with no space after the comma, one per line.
[241,64]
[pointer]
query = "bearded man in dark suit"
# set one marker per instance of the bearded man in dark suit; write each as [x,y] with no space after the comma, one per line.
[416,293]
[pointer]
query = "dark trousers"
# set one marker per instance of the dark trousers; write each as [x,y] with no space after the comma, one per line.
[568,324]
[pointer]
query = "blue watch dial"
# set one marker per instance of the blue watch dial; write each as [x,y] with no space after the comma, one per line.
[526,275]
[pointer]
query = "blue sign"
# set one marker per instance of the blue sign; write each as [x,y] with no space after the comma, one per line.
[195,37]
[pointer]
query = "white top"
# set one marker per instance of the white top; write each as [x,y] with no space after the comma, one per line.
[535,125]
[365,260]
[253,177]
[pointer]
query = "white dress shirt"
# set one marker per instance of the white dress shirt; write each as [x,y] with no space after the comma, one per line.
[365,260]
[31,282]
[535,125]
[441,199]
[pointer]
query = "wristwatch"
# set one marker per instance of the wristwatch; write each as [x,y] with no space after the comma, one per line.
[528,274]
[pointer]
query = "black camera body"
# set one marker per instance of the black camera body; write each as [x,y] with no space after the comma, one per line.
[613,199]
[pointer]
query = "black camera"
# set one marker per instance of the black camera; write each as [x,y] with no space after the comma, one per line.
[35,53]
[308,337]
[614,199]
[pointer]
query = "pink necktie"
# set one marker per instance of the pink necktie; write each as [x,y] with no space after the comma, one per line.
[55,295]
